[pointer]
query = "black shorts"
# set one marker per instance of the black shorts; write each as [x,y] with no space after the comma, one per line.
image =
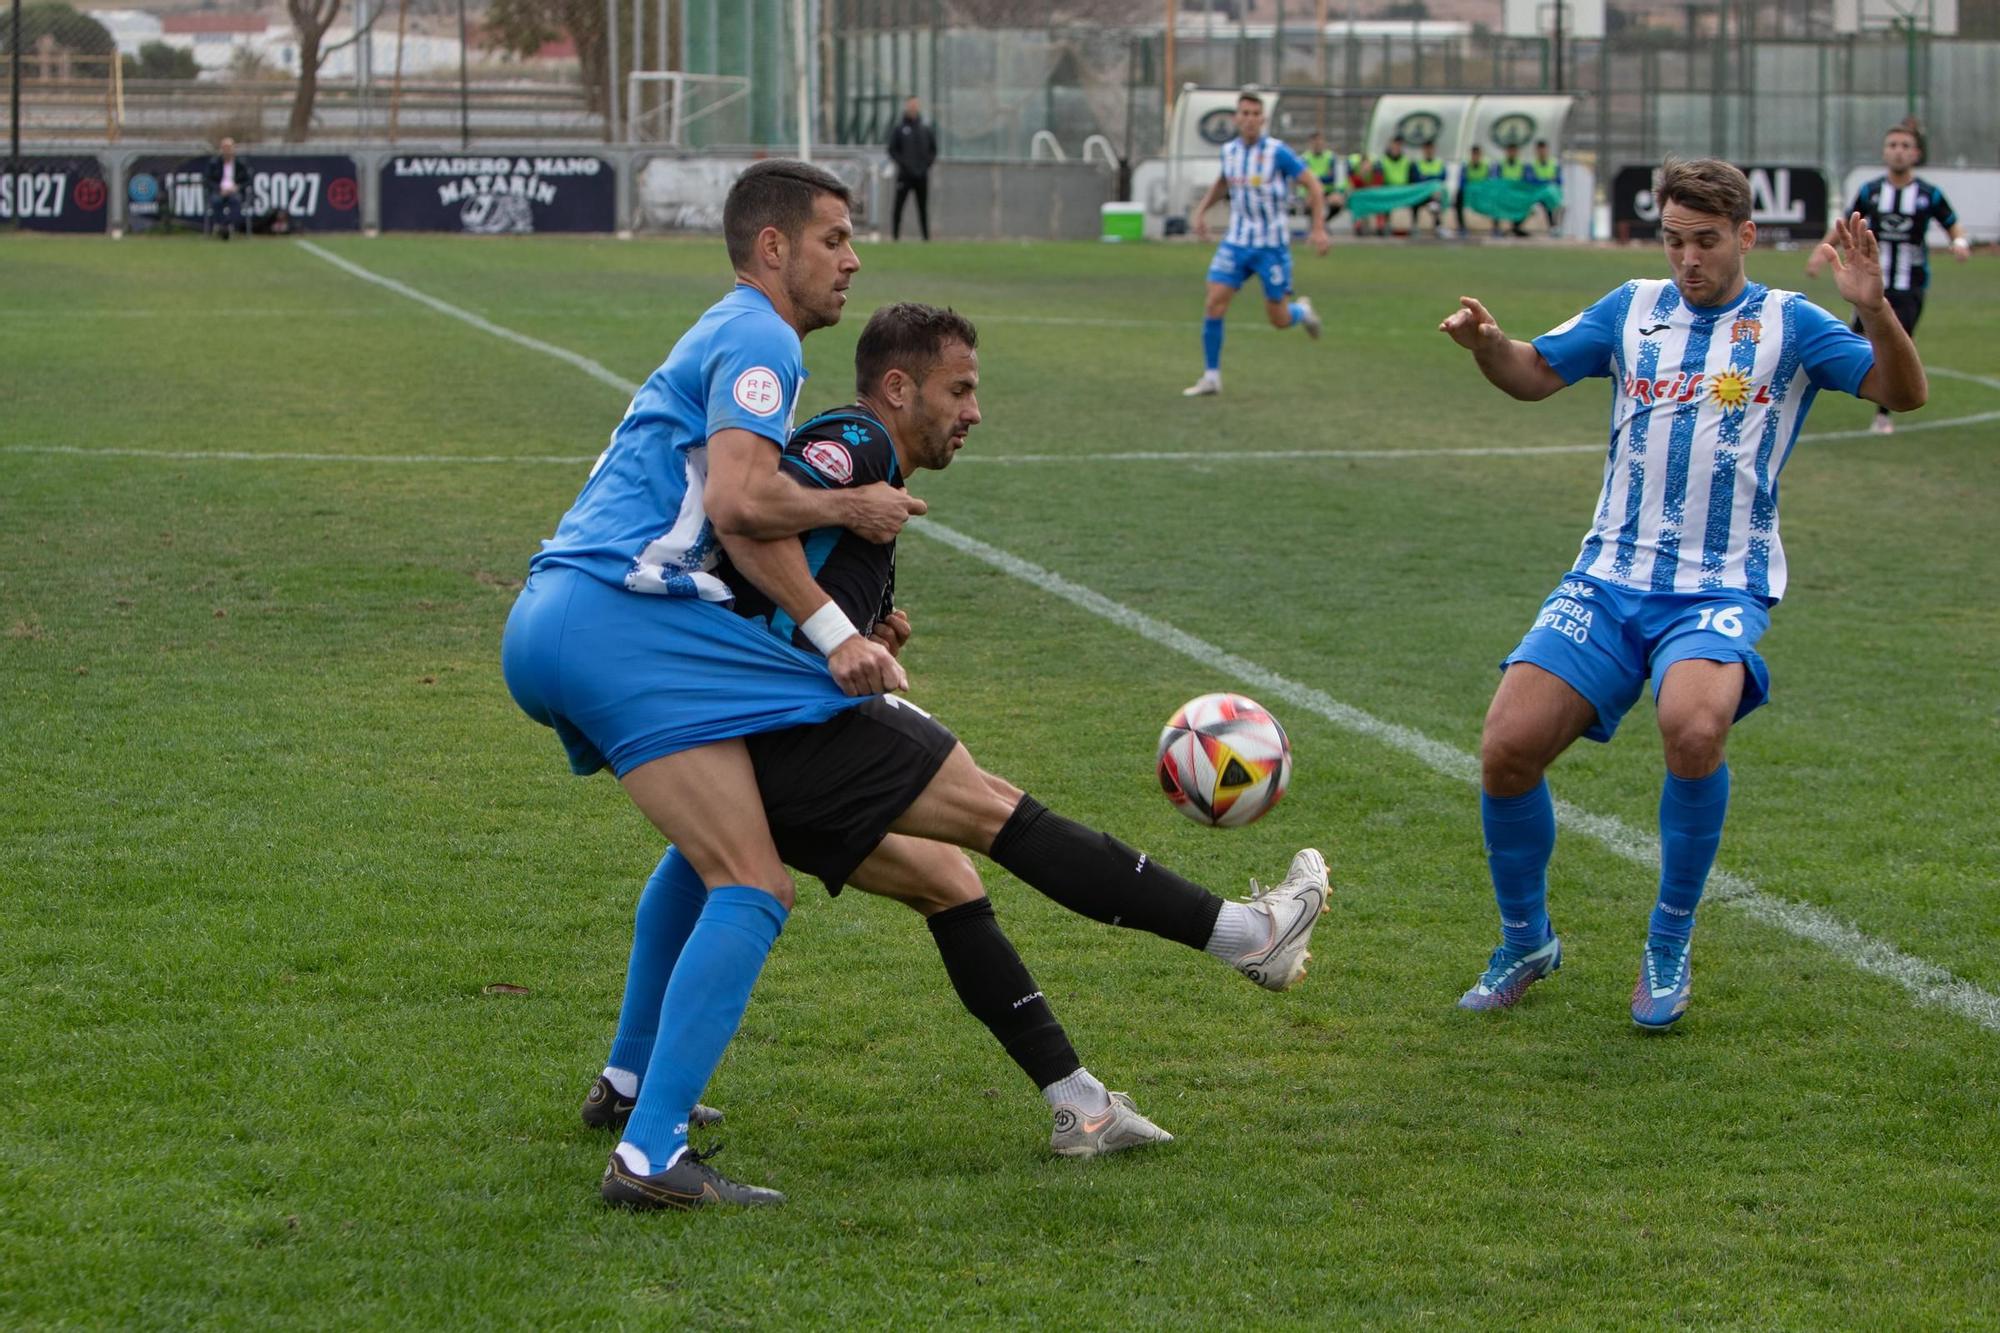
[1909,308]
[832,789]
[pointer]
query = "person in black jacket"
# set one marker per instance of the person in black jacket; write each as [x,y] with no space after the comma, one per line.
[228,186]
[912,147]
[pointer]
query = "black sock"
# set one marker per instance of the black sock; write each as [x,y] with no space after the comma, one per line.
[1095,875]
[997,989]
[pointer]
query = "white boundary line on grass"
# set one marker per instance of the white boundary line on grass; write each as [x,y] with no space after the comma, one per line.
[998,460]
[1924,980]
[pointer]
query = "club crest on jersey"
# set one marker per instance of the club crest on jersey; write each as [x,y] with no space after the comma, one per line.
[830,460]
[1745,331]
[758,390]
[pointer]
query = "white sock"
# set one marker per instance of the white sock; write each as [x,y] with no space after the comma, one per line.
[639,1164]
[623,1081]
[1081,1090]
[1238,930]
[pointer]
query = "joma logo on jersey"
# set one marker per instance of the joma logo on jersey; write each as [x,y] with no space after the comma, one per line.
[1686,388]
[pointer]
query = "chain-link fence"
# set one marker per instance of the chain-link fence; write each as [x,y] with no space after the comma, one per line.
[1735,78]
[1001,79]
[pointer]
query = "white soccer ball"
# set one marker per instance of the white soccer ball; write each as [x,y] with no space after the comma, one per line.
[1224,760]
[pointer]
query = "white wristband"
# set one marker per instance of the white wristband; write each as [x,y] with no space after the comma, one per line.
[828,628]
[1961,243]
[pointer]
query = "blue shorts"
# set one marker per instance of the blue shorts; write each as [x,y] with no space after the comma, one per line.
[1233,265]
[627,677]
[1603,641]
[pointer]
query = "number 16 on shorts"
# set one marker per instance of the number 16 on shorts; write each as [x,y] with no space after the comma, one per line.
[1726,620]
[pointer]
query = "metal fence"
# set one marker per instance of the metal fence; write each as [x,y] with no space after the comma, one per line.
[1739,79]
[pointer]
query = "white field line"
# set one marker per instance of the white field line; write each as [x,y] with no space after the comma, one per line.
[1133,456]
[1927,982]
[582,363]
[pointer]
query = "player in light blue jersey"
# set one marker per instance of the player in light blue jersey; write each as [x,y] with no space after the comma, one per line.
[1258,174]
[1712,378]
[621,639]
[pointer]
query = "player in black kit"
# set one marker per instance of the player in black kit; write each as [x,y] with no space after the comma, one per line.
[1899,207]
[885,796]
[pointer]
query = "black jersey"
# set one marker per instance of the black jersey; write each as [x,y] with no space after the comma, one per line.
[845,447]
[1899,215]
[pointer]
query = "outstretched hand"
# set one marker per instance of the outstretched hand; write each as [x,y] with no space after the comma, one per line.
[1471,326]
[1857,261]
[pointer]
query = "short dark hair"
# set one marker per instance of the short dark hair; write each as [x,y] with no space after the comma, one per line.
[1248,96]
[1913,127]
[1707,185]
[907,336]
[777,193]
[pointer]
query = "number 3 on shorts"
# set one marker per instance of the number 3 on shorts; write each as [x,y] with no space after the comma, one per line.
[1729,620]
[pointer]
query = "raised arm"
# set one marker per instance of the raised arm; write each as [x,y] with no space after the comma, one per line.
[1897,380]
[1515,367]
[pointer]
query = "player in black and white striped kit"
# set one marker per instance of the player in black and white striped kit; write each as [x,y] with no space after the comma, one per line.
[1899,207]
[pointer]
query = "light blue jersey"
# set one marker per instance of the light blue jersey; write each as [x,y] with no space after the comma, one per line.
[639,522]
[1706,405]
[1260,177]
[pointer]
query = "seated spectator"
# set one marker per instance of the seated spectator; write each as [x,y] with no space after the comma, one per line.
[1547,171]
[1364,173]
[1475,168]
[1322,161]
[1395,166]
[228,186]
[1429,170]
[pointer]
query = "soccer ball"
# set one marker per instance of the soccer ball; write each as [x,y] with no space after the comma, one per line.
[1224,760]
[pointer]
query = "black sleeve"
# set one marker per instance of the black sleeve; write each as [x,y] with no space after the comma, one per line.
[835,452]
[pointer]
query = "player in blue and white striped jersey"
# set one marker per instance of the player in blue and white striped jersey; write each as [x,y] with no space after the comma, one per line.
[1899,207]
[1258,174]
[1712,378]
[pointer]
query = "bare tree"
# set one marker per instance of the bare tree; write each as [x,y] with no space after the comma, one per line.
[310,20]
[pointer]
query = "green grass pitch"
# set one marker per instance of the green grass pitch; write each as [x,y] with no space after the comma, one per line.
[270,826]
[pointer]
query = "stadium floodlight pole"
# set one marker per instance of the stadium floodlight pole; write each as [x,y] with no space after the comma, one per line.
[464,97]
[610,70]
[802,77]
[14,102]
[1559,49]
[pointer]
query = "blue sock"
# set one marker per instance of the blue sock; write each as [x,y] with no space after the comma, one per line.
[1520,839]
[1298,315]
[668,909]
[1691,814]
[1211,343]
[704,1003]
